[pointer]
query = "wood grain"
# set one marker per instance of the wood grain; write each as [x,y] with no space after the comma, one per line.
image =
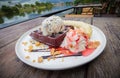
[12,67]
[10,34]
[107,65]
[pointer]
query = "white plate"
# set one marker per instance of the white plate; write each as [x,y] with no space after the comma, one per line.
[59,64]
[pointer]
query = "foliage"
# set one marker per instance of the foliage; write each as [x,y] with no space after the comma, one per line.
[6,9]
[76,2]
[18,5]
[18,9]
[32,5]
[15,10]
[68,3]
[37,3]
[1,20]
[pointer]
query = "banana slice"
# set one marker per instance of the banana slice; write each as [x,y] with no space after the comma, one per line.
[78,24]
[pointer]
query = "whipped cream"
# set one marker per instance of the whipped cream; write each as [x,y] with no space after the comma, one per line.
[53,24]
[74,41]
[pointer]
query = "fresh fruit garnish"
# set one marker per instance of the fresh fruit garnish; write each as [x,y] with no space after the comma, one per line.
[87,52]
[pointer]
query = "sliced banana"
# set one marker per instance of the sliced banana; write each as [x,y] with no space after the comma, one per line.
[78,24]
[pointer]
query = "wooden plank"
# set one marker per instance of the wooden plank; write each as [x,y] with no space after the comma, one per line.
[87,14]
[12,67]
[87,10]
[107,65]
[78,72]
[78,15]
[7,35]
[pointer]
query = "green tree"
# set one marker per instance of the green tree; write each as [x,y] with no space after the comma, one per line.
[32,5]
[48,5]
[37,3]
[15,10]
[76,2]
[1,20]
[6,9]
[18,5]
[22,14]
[68,3]
[26,5]
[18,9]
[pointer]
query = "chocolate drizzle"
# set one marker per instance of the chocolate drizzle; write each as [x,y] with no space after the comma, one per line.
[40,50]
[78,54]
[47,56]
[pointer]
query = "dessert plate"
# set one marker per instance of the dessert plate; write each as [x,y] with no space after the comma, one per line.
[59,63]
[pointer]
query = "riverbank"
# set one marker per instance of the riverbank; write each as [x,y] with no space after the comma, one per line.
[19,9]
[57,10]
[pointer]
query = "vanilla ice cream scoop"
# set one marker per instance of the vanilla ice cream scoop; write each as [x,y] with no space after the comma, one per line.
[53,24]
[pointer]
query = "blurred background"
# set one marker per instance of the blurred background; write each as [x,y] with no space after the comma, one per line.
[16,11]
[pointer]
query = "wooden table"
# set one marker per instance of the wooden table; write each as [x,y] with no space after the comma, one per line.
[107,65]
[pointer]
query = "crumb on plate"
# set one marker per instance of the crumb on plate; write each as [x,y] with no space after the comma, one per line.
[30,48]
[24,43]
[27,57]
[62,59]
[34,61]
[25,49]
[52,51]
[32,41]
[53,58]
[57,53]
[40,59]
[37,43]
[49,58]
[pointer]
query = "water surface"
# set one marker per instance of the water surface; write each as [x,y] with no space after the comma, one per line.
[26,16]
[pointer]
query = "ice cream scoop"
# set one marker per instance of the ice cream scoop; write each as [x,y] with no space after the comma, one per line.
[52,25]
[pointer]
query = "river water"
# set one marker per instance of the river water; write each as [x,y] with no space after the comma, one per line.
[17,19]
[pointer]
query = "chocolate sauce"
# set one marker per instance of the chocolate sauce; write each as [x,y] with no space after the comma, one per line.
[79,54]
[40,50]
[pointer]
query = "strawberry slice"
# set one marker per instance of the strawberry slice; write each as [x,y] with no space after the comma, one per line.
[87,52]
